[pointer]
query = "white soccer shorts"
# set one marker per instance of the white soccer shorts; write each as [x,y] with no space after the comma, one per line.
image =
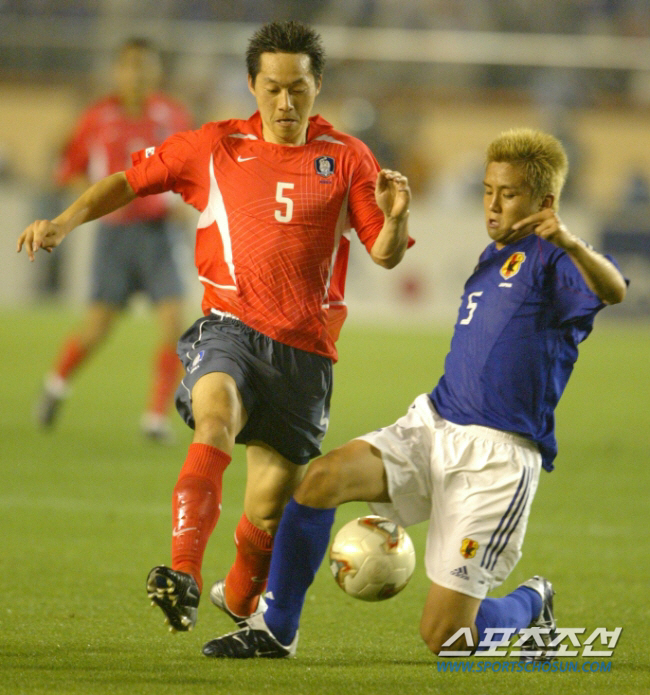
[474,484]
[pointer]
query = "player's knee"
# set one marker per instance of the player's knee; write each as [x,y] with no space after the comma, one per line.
[214,428]
[217,415]
[322,482]
[94,335]
[217,426]
[216,421]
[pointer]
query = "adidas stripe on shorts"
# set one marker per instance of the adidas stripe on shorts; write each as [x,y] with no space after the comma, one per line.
[474,484]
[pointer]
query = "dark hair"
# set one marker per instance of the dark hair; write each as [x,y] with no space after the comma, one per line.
[285,37]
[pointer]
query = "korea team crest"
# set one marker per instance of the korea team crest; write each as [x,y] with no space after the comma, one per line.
[512,265]
[468,548]
[325,166]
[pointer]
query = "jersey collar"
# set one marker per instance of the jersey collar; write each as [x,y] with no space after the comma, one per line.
[317,126]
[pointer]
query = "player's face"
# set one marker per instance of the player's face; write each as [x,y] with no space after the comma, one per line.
[137,72]
[507,198]
[285,89]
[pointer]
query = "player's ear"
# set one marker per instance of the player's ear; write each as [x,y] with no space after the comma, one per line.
[547,201]
[251,85]
[319,84]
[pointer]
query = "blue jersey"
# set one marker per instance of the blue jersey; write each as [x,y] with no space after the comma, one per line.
[523,313]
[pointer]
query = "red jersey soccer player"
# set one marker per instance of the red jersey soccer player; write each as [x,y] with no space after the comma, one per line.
[277,195]
[134,247]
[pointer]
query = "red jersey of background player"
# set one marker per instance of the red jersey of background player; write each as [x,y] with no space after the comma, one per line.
[106,136]
[270,244]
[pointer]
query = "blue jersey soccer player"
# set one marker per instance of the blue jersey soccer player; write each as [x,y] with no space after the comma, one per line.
[467,457]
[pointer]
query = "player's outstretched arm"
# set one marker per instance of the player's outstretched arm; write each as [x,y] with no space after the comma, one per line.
[105,196]
[601,275]
[393,197]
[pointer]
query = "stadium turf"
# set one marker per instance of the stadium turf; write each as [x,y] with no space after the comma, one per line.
[85,513]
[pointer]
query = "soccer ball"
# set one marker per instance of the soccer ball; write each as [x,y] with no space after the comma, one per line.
[372,558]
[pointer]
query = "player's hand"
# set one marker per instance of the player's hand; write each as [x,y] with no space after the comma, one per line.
[392,194]
[546,224]
[42,234]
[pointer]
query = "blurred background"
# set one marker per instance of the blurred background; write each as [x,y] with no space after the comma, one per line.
[425,83]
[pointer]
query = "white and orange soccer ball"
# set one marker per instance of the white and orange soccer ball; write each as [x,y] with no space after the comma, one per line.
[372,558]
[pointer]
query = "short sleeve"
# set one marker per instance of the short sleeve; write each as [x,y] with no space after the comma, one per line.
[179,164]
[365,216]
[572,299]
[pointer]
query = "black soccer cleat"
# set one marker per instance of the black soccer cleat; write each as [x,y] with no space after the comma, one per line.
[255,640]
[545,620]
[218,598]
[177,594]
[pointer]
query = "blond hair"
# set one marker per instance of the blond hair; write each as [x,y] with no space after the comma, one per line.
[541,156]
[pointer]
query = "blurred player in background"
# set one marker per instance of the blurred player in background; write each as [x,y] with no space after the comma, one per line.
[278,194]
[134,250]
[466,457]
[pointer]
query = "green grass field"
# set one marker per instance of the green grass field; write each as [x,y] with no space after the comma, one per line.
[85,513]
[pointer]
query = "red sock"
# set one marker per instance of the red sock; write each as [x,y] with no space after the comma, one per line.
[196,505]
[71,356]
[167,371]
[247,577]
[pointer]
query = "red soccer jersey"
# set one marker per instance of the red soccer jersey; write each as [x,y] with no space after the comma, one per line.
[270,245]
[106,136]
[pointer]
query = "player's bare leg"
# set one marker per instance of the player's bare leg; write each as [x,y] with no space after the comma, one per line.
[445,612]
[270,481]
[96,325]
[166,371]
[219,415]
[354,471]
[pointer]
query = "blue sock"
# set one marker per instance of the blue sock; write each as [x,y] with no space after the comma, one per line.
[298,550]
[518,609]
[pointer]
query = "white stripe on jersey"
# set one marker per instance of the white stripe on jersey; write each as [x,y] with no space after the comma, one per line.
[342,229]
[214,284]
[328,138]
[243,135]
[215,211]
